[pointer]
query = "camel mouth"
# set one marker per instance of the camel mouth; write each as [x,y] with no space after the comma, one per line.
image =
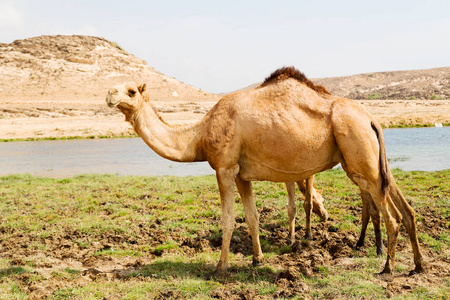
[109,100]
[112,104]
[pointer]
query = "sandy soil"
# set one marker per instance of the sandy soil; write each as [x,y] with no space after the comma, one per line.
[39,119]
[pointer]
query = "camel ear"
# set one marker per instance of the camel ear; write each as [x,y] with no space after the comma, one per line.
[142,88]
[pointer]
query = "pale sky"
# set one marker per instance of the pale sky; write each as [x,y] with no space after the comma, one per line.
[221,46]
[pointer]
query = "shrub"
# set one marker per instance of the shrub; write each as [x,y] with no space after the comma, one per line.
[375,96]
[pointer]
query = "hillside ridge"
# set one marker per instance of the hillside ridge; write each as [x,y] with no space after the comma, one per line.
[412,84]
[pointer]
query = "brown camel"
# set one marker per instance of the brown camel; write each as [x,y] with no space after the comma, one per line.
[286,130]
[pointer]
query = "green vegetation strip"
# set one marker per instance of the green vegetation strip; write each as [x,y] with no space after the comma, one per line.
[133,218]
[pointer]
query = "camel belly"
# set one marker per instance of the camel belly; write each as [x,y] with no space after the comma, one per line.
[287,155]
[285,168]
[260,172]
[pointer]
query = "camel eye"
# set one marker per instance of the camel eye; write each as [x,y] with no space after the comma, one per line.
[131,93]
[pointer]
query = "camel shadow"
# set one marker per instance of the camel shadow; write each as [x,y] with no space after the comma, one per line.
[196,270]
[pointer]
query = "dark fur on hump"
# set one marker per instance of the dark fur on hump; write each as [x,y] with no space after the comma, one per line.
[291,72]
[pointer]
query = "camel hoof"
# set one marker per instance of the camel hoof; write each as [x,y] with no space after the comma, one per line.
[221,269]
[417,270]
[291,242]
[216,274]
[324,217]
[360,244]
[380,251]
[257,263]
[308,236]
[387,270]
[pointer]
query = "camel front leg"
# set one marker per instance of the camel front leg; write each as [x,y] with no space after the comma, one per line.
[307,205]
[251,217]
[225,179]
[292,209]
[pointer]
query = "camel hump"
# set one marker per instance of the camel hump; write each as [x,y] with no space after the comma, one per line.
[291,72]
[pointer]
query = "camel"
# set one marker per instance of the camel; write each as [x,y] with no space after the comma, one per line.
[285,130]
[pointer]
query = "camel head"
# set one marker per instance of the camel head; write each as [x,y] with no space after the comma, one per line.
[128,97]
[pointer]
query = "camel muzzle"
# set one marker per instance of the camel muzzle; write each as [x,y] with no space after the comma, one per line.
[109,98]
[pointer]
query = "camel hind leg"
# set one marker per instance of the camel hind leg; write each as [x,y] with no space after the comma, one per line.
[391,214]
[370,211]
[360,141]
[409,221]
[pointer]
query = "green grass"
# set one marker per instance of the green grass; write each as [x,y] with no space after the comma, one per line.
[159,221]
[375,96]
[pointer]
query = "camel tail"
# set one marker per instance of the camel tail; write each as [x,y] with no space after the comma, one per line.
[384,167]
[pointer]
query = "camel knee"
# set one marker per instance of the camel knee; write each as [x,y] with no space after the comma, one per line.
[227,223]
[307,206]
[292,210]
[361,181]
[409,217]
[252,221]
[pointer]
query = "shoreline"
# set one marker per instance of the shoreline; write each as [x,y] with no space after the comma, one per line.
[32,121]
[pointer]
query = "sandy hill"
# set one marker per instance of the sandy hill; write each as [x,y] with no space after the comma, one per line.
[79,68]
[54,86]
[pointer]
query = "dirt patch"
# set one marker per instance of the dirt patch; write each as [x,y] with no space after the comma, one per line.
[77,256]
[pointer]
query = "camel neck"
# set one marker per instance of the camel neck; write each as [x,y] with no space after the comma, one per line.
[176,143]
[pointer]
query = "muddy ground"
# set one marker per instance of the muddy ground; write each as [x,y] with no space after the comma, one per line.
[329,248]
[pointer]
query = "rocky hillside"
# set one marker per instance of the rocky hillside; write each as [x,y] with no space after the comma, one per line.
[79,68]
[417,84]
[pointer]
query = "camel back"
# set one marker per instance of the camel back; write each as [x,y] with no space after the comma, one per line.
[291,72]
